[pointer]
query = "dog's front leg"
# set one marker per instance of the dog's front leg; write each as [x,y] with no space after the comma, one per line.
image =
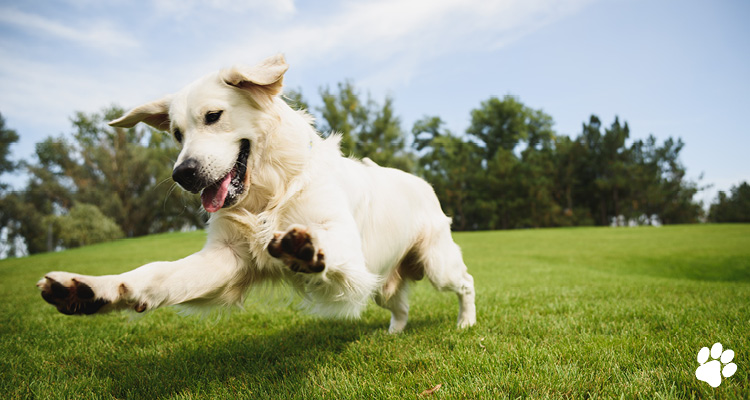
[213,275]
[297,249]
[329,266]
[332,247]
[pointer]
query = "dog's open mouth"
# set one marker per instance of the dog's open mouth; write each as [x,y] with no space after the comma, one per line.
[225,191]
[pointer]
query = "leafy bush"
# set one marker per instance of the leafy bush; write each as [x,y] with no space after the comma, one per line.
[85,225]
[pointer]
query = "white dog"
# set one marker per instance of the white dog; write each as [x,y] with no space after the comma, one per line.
[285,206]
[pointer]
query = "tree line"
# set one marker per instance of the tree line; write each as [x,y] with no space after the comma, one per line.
[508,170]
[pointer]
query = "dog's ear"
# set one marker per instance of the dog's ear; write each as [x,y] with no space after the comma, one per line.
[267,77]
[155,113]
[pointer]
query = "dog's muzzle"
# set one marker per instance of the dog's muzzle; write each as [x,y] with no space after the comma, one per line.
[186,175]
[217,193]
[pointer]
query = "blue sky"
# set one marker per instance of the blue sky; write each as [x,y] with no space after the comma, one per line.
[667,67]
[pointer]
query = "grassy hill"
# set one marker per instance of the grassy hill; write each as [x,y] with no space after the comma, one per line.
[562,313]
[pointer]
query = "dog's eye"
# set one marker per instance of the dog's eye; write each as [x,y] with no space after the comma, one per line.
[213,116]
[178,135]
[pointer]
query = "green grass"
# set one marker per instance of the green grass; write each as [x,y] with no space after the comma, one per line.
[562,313]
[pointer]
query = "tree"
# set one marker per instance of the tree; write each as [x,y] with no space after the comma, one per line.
[343,113]
[519,190]
[24,225]
[500,124]
[8,137]
[675,192]
[382,140]
[569,161]
[453,166]
[591,170]
[9,204]
[614,173]
[637,182]
[504,197]
[537,169]
[734,207]
[367,129]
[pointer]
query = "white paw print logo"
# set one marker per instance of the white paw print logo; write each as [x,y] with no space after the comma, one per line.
[711,371]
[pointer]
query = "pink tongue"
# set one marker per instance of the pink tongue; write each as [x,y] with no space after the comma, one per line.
[213,196]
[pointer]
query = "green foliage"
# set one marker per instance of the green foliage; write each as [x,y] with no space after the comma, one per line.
[22,219]
[383,140]
[9,201]
[8,137]
[557,318]
[499,124]
[83,225]
[734,207]
[452,166]
[343,113]
[367,128]
[524,175]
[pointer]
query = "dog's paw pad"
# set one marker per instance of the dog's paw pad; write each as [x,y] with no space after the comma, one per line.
[712,371]
[296,249]
[69,295]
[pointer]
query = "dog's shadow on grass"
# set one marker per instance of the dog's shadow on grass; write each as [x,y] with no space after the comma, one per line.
[277,364]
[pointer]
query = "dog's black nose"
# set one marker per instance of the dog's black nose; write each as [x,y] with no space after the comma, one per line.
[186,174]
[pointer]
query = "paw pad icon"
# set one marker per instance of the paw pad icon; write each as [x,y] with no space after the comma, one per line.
[711,371]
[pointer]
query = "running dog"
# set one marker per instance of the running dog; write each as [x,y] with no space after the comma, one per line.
[284,205]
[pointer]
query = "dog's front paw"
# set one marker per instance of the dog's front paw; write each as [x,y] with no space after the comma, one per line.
[69,294]
[296,249]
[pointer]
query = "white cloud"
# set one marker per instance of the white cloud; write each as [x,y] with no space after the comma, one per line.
[44,96]
[99,34]
[401,35]
[39,97]
[392,39]
[181,9]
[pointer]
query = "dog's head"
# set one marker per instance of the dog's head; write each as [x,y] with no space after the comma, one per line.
[218,120]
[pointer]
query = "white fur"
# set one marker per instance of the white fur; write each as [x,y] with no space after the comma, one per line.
[366,219]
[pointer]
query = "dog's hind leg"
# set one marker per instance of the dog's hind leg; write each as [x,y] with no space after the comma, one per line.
[467,314]
[398,304]
[445,268]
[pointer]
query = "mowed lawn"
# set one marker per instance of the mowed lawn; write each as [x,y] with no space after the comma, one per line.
[562,313]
